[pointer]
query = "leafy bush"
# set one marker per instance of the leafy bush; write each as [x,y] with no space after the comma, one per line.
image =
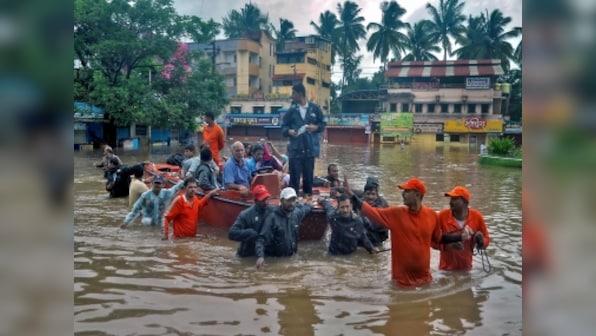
[502,147]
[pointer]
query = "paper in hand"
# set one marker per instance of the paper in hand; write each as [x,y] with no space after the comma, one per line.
[302,129]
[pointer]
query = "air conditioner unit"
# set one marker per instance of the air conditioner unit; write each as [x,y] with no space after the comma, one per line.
[437,98]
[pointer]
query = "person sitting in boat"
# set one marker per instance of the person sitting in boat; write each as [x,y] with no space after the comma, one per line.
[347,228]
[237,174]
[279,236]
[205,174]
[118,178]
[152,203]
[459,217]
[190,163]
[108,153]
[331,180]
[137,187]
[262,158]
[250,221]
[184,212]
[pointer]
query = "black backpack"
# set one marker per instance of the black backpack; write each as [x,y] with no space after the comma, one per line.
[175,159]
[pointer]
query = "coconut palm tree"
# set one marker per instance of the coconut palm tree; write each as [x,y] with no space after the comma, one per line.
[349,31]
[486,37]
[387,36]
[419,43]
[327,29]
[286,32]
[246,23]
[517,54]
[447,22]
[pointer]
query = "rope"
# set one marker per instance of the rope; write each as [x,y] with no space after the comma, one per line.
[486,266]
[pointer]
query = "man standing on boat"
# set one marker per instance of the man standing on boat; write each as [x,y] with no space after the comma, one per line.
[279,236]
[460,217]
[303,124]
[213,136]
[236,171]
[152,203]
[250,221]
[414,226]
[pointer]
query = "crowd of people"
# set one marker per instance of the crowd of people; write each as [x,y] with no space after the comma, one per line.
[361,218]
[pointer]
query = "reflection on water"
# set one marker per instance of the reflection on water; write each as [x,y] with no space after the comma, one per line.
[131,282]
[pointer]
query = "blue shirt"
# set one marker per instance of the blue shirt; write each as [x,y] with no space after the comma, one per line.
[236,174]
[153,206]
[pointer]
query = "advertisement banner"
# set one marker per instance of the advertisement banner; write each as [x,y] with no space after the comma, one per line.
[397,124]
[473,125]
[477,83]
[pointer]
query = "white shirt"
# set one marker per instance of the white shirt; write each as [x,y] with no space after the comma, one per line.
[302,109]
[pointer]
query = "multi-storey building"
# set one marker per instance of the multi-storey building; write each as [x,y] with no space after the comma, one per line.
[305,59]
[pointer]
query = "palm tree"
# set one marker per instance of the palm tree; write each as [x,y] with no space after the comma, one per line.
[517,54]
[248,23]
[387,36]
[286,32]
[327,29]
[447,22]
[486,37]
[349,31]
[420,43]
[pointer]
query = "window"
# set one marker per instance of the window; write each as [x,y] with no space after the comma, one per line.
[393,107]
[310,81]
[456,108]
[405,107]
[454,137]
[418,108]
[274,109]
[471,108]
[431,108]
[311,60]
[485,108]
[258,109]
[444,108]
[325,85]
[236,109]
[440,137]
[141,130]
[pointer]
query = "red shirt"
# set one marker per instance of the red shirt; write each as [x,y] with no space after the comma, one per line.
[214,135]
[411,236]
[184,216]
[451,258]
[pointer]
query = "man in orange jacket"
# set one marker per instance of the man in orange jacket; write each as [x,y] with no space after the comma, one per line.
[184,211]
[213,135]
[458,218]
[413,227]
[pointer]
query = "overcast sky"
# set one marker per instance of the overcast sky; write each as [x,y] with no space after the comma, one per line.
[302,12]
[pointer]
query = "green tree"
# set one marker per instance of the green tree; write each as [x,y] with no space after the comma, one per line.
[123,46]
[327,29]
[349,31]
[486,37]
[246,23]
[387,37]
[285,33]
[420,45]
[447,21]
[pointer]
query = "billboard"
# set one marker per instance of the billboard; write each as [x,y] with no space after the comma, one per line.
[473,125]
[397,124]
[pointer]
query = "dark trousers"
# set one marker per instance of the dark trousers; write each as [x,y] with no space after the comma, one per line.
[305,167]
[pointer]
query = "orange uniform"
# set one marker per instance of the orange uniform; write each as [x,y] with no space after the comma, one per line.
[459,260]
[411,236]
[184,215]
[214,135]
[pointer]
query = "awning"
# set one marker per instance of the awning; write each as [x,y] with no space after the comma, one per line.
[460,68]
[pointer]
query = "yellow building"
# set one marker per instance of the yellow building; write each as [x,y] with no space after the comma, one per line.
[246,64]
[306,60]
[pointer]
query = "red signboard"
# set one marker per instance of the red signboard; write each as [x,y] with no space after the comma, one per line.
[475,123]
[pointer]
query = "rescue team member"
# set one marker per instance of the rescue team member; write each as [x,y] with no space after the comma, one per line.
[460,217]
[249,222]
[184,212]
[413,227]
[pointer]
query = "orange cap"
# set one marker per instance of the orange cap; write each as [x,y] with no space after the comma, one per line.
[414,184]
[260,192]
[459,192]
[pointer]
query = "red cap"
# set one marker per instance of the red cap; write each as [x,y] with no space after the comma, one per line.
[459,192]
[414,184]
[260,192]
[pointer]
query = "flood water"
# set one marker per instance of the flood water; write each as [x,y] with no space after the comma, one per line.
[129,282]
